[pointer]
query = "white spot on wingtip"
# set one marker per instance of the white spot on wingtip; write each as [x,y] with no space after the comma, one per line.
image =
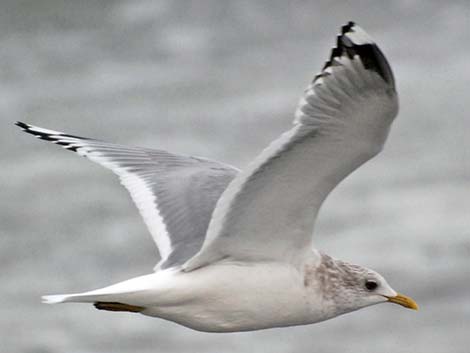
[358,36]
[42,130]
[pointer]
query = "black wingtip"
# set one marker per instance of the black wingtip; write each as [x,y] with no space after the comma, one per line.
[353,41]
[38,132]
[55,137]
[347,27]
[21,125]
[45,134]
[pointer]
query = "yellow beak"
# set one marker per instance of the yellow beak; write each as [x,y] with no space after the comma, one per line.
[403,300]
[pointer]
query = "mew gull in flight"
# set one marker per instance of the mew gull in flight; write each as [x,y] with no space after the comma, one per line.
[236,246]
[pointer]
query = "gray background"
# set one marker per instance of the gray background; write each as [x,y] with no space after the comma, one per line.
[221,79]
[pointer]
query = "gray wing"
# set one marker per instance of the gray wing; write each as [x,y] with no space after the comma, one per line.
[268,211]
[175,194]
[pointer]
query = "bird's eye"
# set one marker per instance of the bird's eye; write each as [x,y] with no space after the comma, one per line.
[371,285]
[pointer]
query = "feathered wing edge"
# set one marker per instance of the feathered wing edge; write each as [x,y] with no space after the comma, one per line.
[141,172]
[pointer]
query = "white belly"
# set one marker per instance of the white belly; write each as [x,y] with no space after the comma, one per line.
[230,297]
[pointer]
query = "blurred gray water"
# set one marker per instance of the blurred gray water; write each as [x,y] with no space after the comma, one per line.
[221,79]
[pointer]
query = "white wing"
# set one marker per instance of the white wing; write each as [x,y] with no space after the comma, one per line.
[268,211]
[174,194]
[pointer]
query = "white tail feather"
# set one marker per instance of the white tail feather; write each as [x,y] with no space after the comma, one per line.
[88,297]
[54,299]
[133,291]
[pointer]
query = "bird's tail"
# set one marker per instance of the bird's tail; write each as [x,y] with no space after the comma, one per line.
[73,298]
[133,291]
[54,299]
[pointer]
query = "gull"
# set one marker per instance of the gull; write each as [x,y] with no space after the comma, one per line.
[236,246]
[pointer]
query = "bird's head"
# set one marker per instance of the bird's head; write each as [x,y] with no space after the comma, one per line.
[350,287]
